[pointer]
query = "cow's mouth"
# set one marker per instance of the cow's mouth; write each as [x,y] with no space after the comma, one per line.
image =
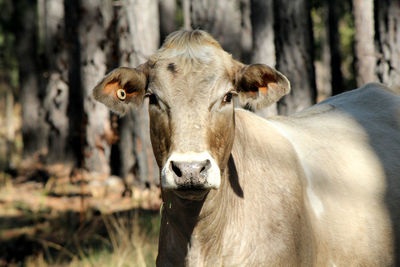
[192,192]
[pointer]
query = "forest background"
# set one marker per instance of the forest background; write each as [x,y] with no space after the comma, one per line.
[78,184]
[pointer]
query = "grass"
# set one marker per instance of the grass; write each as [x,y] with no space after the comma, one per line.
[35,233]
[126,239]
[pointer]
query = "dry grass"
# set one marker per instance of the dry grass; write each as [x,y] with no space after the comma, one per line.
[42,226]
[131,241]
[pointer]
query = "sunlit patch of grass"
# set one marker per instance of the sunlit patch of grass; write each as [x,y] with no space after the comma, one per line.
[130,239]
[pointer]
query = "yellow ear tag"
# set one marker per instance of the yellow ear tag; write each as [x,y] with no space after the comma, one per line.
[121,94]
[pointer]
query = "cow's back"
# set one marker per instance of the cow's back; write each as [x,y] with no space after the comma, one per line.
[349,147]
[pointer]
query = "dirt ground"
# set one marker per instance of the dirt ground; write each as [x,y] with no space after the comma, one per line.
[47,209]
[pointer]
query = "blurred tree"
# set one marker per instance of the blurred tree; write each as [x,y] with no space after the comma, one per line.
[94,19]
[387,38]
[7,62]
[55,77]
[186,14]
[364,41]
[334,45]
[227,21]
[138,37]
[319,15]
[168,12]
[262,22]
[294,53]
[75,93]
[8,69]
[25,28]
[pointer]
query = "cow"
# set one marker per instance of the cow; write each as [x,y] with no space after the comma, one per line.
[317,188]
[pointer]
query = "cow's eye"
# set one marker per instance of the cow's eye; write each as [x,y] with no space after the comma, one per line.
[228,98]
[121,94]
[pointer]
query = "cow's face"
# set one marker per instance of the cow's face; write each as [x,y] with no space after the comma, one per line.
[191,84]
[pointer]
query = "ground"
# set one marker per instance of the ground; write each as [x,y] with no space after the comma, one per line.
[52,216]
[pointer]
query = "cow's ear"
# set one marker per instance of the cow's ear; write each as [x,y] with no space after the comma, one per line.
[259,85]
[122,89]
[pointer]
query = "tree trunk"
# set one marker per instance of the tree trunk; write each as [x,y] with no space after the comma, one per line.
[167,12]
[227,21]
[334,43]
[262,22]
[7,130]
[364,41]
[387,38]
[52,27]
[75,110]
[294,53]
[7,90]
[94,25]
[186,15]
[322,55]
[34,128]
[138,29]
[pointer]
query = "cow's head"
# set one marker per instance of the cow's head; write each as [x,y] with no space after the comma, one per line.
[191,83]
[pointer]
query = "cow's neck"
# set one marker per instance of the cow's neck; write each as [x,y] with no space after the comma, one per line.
[188,226]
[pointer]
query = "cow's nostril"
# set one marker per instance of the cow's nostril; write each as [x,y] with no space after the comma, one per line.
[206,166]
[176,169]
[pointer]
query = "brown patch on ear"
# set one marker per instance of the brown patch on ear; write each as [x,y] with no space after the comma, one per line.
[253,94]
[111,87]
[256,76]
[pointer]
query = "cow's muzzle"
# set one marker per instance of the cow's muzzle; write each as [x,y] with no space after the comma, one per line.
[194,172]
[190,174]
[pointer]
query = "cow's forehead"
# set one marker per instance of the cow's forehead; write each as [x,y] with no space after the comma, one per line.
[190,65]
[189,77]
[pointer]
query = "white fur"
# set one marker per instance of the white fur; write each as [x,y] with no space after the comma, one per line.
[213,173]
[313,199]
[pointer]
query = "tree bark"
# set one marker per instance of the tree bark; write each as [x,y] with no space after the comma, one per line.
[138,30]
[294,53]
[227,21]
[55,75]
[76,130]
[94,24]
[364,41]
[262,22]
[34,128]
[186,15]
[334,43]
[387,38]
[167,10]
[322,55]
[7,91]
